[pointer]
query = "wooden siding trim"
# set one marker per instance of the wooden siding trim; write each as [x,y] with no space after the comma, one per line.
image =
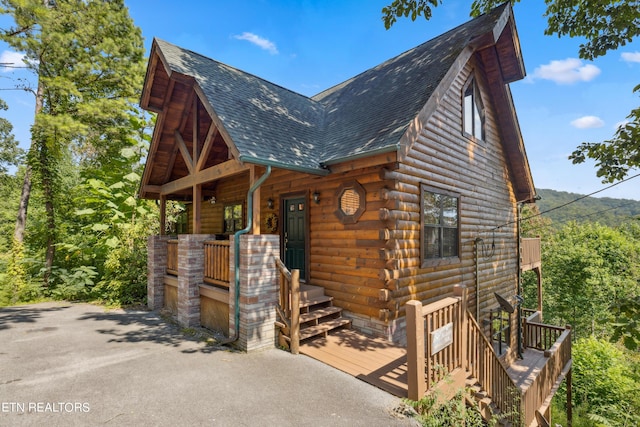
[157,134]
[149,80]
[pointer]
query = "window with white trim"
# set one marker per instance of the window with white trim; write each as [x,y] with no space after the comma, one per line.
[473,111]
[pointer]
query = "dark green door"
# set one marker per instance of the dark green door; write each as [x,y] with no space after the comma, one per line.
[295,234]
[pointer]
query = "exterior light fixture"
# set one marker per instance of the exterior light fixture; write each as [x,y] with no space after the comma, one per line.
[316,197]
[270,203]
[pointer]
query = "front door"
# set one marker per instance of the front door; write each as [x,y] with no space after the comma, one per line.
[295,219]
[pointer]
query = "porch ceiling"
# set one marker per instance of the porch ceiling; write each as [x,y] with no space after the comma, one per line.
[186,140]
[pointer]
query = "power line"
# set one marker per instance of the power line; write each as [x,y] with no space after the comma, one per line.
[565,204]
[576,200]
[586,215]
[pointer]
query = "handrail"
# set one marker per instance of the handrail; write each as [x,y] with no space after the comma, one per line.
[492,376]
[288,309]
[558,359]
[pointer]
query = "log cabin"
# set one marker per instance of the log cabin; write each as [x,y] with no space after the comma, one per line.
[400,187]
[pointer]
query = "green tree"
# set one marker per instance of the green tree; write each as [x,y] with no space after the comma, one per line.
[588,268]
[605,383]
[87,57]
[10,152]
[605,26]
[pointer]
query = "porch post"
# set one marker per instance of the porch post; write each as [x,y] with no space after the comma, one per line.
[569,401]
[190,277]
[462,292]
[415,350]
[163,214]
[156,270]
[539,274]
[258,291]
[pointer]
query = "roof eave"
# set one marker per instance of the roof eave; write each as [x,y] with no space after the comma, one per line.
[281,165]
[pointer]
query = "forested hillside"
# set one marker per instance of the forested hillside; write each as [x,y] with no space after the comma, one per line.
[604,210]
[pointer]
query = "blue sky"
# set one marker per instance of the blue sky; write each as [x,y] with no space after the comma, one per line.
[308,46]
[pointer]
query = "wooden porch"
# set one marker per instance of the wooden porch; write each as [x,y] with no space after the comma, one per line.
[384,364]
[522,391]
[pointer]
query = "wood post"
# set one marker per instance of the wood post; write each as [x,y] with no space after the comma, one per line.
[163,214]
[569,401]
[295,311]
[197,207]
[463,293]
[415,351]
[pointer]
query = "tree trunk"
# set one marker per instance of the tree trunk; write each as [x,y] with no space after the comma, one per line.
[47,173]
[21,220]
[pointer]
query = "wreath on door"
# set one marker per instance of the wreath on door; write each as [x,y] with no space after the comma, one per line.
[271,222]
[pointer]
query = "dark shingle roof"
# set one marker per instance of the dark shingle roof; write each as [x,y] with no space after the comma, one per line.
[264,120]
[365,114]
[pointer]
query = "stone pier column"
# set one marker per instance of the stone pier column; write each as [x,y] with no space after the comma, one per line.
[258,291]
[190,277]
[156,270]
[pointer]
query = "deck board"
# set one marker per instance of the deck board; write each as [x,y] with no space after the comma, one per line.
[524,371]
[373,360]
[384,364]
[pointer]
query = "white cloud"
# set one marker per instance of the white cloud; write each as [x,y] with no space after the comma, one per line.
[588,122]
[567,71]
[263,43]
[14,59]
[631,56]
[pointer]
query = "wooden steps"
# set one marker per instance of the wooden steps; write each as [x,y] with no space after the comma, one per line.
[318,315]
[478,397]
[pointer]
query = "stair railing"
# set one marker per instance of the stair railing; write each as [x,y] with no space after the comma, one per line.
[485,366]
[288,308]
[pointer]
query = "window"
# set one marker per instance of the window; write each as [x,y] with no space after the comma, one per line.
[473,112]
[440,225]
[233,218]
[351,202]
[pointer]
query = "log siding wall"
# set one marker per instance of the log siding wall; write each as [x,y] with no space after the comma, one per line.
[443,158]
[373,267]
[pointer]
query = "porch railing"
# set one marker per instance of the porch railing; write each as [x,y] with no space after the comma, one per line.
[540,336]
[435,344]
[216,262]
[172,257]
[465,346]
[556,344]
[288,308]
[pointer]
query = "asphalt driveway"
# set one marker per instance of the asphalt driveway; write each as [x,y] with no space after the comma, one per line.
[67,364]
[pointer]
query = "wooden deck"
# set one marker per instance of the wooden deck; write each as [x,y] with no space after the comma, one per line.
[375,361]
[524,371]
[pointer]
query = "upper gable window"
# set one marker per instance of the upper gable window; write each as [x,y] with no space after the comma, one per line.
[473,111]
